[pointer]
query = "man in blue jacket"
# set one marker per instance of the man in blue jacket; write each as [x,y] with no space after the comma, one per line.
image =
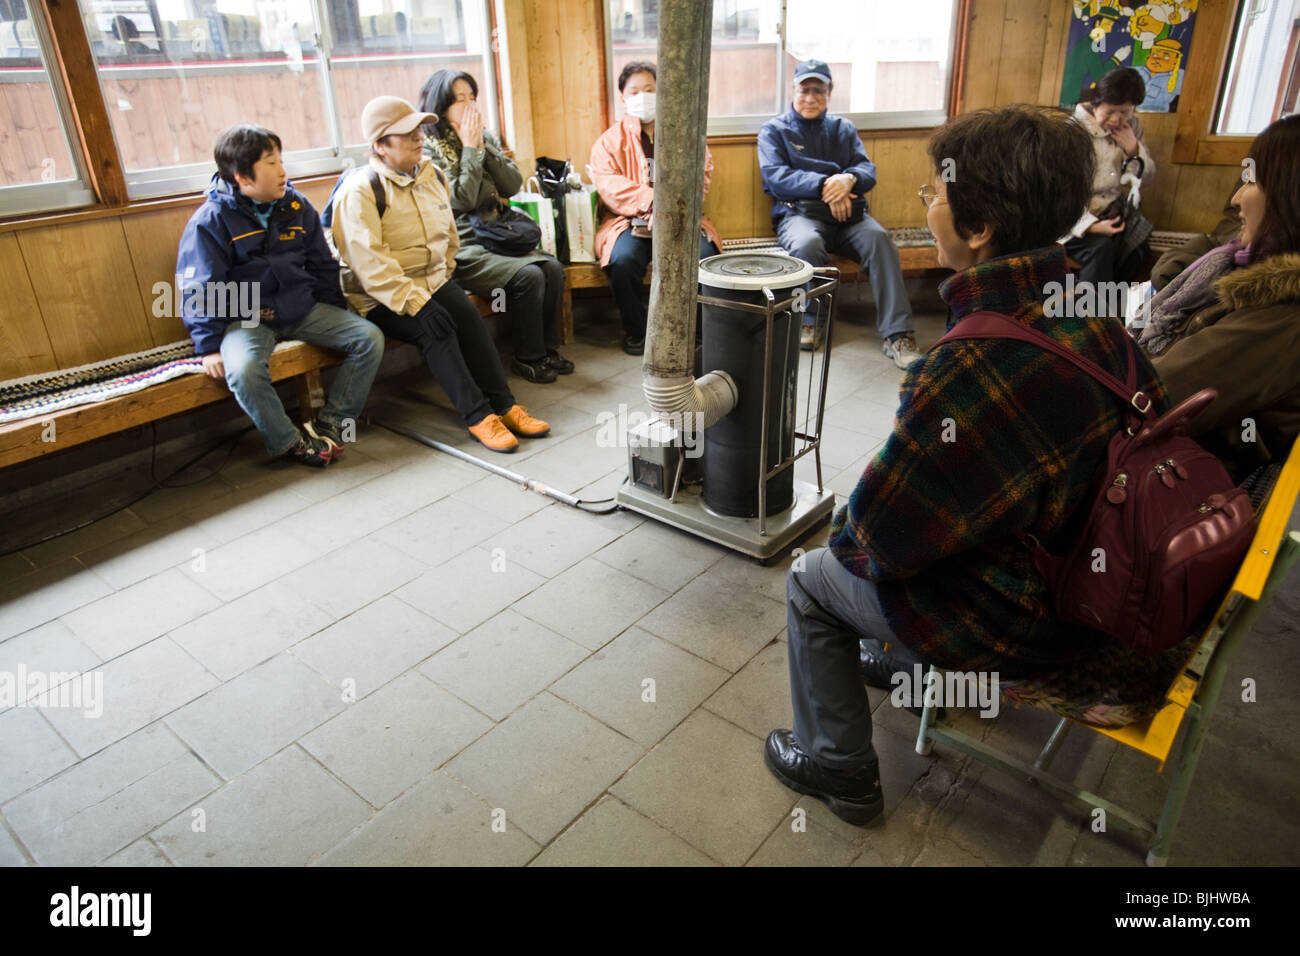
[818,175]
[253,268]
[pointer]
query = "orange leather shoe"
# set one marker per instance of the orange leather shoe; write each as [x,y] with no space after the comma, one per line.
[521,423]
[492,432]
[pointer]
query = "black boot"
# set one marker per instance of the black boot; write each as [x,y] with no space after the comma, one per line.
[853,797]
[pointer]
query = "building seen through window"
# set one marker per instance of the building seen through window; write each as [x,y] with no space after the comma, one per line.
[1262,81]
[174,73]
[891,62]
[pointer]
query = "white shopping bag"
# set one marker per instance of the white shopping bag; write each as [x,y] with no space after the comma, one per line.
[581,220]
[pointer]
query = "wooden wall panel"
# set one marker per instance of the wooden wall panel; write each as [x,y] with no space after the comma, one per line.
[1054,50]
[729,203]
[24,345]
[582,75]
[760,209]
[520,80]
[547,81]
[1198,203]
[902,166]
[984,43]
[317,193]
[151,239]
[1020,59]
[1158,194]
[81,273]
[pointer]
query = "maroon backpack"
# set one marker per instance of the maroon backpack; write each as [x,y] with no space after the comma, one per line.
[1167,528]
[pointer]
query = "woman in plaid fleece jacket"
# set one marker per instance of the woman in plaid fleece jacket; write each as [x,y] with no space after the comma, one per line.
[993,438]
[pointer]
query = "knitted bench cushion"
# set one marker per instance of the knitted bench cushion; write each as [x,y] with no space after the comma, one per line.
[1113,688]
[49,392]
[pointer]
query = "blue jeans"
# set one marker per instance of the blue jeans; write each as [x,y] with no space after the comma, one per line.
[868,243]
[829,609]
[247,351]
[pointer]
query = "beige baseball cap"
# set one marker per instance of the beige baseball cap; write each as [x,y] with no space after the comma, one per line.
[386,115]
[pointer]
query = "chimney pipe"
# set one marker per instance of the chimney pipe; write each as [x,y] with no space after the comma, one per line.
[685,43]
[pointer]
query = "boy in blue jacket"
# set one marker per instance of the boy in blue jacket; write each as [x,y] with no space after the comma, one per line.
[814,167]
[254,269]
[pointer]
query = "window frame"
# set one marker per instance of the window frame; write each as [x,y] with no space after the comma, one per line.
[874,122]
[160,182]
[24,199]
[107,187]
[1195,142]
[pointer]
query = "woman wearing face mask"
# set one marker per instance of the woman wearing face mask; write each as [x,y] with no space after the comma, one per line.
[1231,320]
[622,169]
[482,176]
[1110,241]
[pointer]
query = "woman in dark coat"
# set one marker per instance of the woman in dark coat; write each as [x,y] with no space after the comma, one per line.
[482,177]
[1231,320]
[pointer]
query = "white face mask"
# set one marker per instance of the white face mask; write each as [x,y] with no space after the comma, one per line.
[642,106]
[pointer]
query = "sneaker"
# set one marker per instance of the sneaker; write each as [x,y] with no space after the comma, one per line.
[534,370]
[558,363]
[902,349]
[521,423]
[330,434]
[492,432]
[634,345]
[310,450]
[811,337]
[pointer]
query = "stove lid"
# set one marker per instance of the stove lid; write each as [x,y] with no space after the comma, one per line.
[754,271]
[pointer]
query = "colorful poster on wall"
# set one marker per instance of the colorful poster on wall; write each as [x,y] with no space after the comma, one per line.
[1152,38]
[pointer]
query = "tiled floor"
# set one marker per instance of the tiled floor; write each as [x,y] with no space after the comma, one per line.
[407,660]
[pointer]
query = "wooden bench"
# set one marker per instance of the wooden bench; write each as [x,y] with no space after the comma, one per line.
[31,438]
[1190,698]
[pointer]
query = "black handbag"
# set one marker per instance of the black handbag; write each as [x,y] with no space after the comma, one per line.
[821,212]
[553,182]
[511,233]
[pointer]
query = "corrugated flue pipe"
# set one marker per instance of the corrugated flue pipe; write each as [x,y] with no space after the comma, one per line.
[682,99]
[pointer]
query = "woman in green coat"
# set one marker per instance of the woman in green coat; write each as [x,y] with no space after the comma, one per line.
[482,177]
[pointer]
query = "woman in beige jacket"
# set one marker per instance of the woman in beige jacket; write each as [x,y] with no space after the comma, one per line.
[397,266]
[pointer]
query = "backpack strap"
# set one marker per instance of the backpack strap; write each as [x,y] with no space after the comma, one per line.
[377,187]
[995,325]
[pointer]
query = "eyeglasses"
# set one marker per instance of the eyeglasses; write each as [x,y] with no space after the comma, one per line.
[812,92]
[929,196]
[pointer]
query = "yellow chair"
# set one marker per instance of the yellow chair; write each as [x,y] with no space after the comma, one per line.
[1191,696]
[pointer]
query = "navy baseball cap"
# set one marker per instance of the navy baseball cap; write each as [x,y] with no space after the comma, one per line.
[812,70]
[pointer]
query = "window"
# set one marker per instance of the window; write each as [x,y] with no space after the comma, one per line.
[177,72]
[1263,76]
[890,62]
[39,170]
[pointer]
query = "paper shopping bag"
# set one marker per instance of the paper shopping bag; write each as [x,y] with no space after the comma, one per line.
[580,222]
[541,210]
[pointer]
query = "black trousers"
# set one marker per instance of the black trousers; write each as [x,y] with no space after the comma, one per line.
[533,299]
[458,350]
[626,270]
[1099,259]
